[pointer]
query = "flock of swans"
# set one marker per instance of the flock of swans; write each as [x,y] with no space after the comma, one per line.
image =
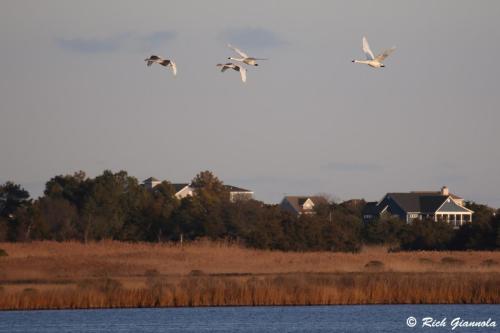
[371,60]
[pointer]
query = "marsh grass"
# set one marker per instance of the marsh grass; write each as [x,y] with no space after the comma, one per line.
[489,263]
[374,265]
[115,274]
[450,261]
[290,289]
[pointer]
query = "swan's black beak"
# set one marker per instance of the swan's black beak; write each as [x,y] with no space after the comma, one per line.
[256,65]
[353,61]
[229,58]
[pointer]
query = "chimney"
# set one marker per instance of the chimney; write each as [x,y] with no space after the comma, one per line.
[445,191]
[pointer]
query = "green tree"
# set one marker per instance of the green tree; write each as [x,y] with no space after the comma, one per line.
[12,197]
[157,213]
[385,230]
[72,188]
[482,213]
[109,201]
[428,235]
[14,200]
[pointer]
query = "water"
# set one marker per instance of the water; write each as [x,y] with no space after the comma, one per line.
[358,318]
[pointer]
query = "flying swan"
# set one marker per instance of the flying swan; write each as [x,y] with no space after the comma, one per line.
[164,62]
[371,60]
[244,57]
[241,69]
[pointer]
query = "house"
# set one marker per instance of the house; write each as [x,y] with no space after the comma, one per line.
[408,206]
[235,193]
[238,193]
[183,190]
[299,205]
[151,182]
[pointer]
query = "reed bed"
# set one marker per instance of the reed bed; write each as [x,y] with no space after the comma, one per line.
[290,289]
[69,275]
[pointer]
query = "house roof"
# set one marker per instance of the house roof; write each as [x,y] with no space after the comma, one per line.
[150,179]
[424,202]
[454,196]
[231,188]
[297,201]
[179,186]
[370,208]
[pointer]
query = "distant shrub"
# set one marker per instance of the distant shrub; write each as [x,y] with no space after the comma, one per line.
[450,261]
[30,291]
[197,272]
[374,265]
[426,261]
[151,273]
[3,253]
[155,282]
[489,263]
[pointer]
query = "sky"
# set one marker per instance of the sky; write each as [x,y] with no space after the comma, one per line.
[75,94]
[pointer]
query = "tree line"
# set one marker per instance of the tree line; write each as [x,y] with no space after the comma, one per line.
[116,206]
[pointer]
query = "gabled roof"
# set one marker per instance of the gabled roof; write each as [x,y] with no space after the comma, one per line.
[231,188]
[417,201]
[371,208]
[179,186]
[297,201]
[150,179]
[454,196]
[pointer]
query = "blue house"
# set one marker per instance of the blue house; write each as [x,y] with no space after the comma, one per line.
[408,206]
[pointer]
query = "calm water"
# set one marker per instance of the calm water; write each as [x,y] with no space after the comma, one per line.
[371,318]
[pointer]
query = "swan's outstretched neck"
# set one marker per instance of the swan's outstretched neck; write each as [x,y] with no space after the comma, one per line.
[360,61]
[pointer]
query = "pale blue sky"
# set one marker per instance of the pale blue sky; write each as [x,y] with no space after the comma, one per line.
[75,94]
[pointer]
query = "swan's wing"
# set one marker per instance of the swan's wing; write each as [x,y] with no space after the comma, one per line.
[381,57]
[241,53]
[223,67]
[163,62]
[367,50]
[243,73]
[174,67]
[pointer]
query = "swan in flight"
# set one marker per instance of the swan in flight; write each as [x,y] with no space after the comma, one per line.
[244,57]
[371,60]
[241,69]
[164,62]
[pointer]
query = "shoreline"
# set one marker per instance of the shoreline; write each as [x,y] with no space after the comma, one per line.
[245,306]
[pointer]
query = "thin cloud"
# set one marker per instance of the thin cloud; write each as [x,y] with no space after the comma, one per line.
[118,42]
[159,37]
[353,167]
[90,45]
[252,37]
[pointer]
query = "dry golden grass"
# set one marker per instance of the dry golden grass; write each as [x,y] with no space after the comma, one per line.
[72,275]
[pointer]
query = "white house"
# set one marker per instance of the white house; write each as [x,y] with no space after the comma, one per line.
[183,190]
[437,205]
[299,205]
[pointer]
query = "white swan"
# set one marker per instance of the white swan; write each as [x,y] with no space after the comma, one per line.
[371,60]
[164,62]
[244,57]
[241,69]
